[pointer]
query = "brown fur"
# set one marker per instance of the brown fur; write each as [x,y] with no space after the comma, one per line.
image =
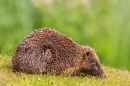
[48,51]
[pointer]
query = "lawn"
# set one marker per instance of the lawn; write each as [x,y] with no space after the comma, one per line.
[115,77]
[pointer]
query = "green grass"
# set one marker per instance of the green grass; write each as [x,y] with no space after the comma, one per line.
[115,77]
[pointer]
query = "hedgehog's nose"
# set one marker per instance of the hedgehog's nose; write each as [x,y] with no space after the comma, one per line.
[103,75]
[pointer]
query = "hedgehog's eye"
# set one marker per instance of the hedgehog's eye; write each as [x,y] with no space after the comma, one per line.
[87,53]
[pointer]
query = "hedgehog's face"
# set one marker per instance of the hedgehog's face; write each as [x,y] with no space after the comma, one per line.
[91,64]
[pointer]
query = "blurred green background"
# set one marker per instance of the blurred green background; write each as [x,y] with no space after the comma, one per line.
[101,24]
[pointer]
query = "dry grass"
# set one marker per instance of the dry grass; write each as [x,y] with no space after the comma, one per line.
[115,77]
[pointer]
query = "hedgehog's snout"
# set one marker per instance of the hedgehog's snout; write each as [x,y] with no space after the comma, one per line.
[98,71]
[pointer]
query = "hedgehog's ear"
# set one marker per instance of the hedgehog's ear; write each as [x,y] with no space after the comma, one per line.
[84,56]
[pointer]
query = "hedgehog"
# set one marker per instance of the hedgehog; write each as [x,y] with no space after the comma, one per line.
[48,51]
